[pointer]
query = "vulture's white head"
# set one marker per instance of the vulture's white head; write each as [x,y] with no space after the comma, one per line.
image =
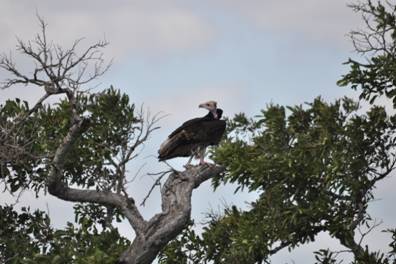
[209,105]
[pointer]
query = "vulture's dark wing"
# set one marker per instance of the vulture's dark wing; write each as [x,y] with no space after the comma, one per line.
[186,125]
[211,132]
[192,134]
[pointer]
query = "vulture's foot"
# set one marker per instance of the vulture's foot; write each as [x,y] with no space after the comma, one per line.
[202,161]
[206,164]
[188,166]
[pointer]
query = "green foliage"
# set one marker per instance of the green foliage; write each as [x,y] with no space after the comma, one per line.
[325,256]
[315,169]
[392,253]
[27,237]
[22,235]
[111,123]
[19,168]
[376,76]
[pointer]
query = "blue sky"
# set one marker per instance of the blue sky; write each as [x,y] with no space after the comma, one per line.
[172,55]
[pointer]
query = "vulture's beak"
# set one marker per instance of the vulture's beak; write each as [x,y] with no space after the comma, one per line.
[211,105]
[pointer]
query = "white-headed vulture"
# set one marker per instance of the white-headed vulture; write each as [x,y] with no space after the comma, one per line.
[193,137]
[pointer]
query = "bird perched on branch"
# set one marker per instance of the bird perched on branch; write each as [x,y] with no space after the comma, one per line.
[193,137]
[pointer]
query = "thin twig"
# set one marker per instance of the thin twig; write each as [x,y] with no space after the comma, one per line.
[156,183]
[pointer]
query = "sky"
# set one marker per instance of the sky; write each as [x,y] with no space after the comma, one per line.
[172,55]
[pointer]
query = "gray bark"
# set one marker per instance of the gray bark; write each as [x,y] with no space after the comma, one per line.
[175,215]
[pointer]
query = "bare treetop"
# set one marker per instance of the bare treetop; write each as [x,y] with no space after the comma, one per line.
[377,37]
[57,69]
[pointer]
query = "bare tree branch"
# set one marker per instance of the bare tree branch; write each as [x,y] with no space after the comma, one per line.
[365,233]
[376,38]
[61,68]
[156,183]
[176,210]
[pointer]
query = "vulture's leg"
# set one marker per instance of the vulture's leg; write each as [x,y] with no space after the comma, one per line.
[193,154]
[202,152]
[188,162]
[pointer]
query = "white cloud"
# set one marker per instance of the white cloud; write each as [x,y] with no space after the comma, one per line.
[181,101]
[148,27]
[312,19]
[162,27]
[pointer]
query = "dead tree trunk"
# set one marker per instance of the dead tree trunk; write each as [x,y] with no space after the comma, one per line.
[175,215]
